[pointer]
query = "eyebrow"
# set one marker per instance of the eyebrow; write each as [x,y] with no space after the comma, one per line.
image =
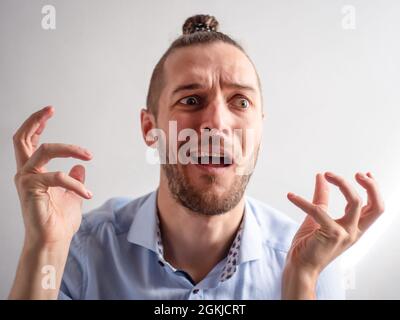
[185,87]
[194,86]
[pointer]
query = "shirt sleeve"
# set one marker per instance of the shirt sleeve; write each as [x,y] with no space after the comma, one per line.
[330,284]
[73,280]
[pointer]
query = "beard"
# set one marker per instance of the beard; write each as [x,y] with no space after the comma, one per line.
[203,200]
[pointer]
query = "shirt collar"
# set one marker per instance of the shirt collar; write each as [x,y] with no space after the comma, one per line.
[251,242]
[144,228]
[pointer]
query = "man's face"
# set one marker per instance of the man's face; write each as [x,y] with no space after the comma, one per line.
[211,86]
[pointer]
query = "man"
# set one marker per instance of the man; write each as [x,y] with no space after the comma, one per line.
[197,236]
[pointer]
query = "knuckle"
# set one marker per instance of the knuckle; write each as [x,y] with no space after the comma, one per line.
[339,234]
[44,147]
[319,211]
[18,140]
[23,180]
[353,237]
[59,176]
[36,116]
[357,201]
[381,207]
[17,178]
[15,138]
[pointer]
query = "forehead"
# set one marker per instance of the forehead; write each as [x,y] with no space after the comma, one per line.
[208,63]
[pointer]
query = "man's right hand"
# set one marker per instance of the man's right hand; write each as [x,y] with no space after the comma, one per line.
[51,204]
[50,201]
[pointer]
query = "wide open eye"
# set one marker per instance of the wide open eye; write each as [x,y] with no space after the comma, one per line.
[191,100]
[241,102]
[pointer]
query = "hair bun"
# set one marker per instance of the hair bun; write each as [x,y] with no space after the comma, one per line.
[198,23]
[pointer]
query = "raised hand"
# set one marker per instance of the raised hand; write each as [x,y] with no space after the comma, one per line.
[320,238]
[50,201]
[51,205]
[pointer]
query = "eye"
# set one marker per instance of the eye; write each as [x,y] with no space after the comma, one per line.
[241,102]
[191,100]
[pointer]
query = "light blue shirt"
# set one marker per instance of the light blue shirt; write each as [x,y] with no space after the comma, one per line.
[116,255]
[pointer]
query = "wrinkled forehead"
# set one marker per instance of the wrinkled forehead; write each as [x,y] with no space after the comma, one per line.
[208,64]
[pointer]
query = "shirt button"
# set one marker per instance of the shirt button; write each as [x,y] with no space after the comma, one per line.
[195,291]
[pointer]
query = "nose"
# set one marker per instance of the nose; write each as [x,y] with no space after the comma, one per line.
[216,116]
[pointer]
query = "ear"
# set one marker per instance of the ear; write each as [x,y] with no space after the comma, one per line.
[148,122]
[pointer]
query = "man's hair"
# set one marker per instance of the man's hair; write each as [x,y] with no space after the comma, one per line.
[197,30]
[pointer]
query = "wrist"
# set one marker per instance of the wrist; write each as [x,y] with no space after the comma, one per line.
[32,243]
[299,283]
[44,253]
[40,270]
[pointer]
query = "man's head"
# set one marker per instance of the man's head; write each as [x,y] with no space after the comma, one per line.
[206,81]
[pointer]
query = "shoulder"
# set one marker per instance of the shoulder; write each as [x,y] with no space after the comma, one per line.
[114,216]
[277,229]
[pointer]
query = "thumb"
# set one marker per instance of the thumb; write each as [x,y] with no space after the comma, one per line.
[78,172]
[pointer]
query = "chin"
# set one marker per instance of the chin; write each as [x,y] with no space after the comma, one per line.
[205,193]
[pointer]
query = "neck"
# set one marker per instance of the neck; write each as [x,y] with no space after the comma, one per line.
[192,241]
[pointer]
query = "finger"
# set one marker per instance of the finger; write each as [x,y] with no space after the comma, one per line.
[375,206]
[354,202]
[370,185]
[26,138]
[48,151]
[78,172]
[321,192]
[317,213]
[60,179]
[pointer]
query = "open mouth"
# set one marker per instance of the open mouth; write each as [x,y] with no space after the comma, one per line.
[213,160]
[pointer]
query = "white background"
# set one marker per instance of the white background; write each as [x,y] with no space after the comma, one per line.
[331,98]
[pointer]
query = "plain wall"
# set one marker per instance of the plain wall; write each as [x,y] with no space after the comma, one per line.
[331,99]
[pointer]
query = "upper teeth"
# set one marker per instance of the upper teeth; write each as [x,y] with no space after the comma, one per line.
[206,154]
[204,158]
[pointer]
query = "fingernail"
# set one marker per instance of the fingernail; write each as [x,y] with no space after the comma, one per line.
[89,194]
[329,175]
[47,108]
[87,152]
[361,175]
[291,195]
